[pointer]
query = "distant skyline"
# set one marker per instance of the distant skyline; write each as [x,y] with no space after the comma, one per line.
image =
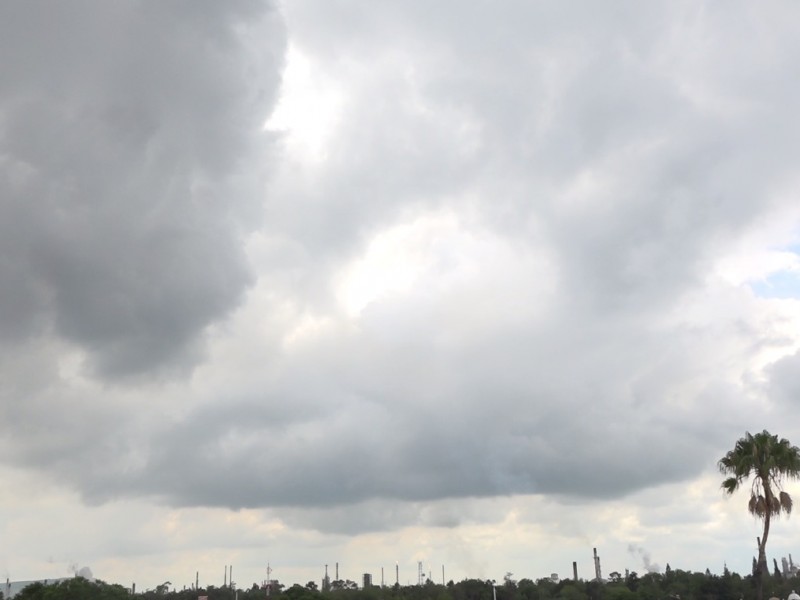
[482,285]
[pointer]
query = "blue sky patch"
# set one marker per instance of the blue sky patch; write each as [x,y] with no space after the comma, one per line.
[784,284]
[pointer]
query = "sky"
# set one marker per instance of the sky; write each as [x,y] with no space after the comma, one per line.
[478,285]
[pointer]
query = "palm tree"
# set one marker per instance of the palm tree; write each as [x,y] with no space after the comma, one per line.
[769,461]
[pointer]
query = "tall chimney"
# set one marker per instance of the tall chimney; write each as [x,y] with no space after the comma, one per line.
[574,570]
[597,574]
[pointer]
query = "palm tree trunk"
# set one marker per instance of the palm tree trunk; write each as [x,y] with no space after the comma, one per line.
[763,569]
[762,551]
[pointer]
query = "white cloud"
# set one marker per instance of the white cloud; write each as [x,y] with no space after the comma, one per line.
[308,109]
[501,284]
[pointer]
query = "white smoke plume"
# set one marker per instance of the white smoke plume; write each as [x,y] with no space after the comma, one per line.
[84,572]
[639,551]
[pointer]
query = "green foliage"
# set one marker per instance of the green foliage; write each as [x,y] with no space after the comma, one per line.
[76,588]
[573,591]
[672,585]
[618,591]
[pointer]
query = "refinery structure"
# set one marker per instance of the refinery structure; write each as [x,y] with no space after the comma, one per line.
[272,586]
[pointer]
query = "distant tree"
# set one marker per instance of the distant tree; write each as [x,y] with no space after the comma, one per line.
[632,581]
[527,589]
[299,592]
[546,587]
[594,589]
[650,586]
[345,584]
[34,591]
[275,587]
[618,592]
[572,591]
[769,461]
[74,588]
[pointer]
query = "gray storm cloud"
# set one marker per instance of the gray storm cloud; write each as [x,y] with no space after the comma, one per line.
[131,162]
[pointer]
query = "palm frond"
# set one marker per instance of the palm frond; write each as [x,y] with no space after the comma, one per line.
[751,506]
[785,502]
[757,506]
[730,485]
[775,505]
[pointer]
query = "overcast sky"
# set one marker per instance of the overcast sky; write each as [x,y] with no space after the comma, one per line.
[478,284]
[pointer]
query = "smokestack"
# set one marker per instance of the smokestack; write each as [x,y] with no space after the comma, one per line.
[225,581]
[230,577]
[197,580]
[397,573]
[598,577]
[133,589]
[574,570]
[337,571]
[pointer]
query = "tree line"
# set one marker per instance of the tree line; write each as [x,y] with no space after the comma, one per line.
[671,585]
